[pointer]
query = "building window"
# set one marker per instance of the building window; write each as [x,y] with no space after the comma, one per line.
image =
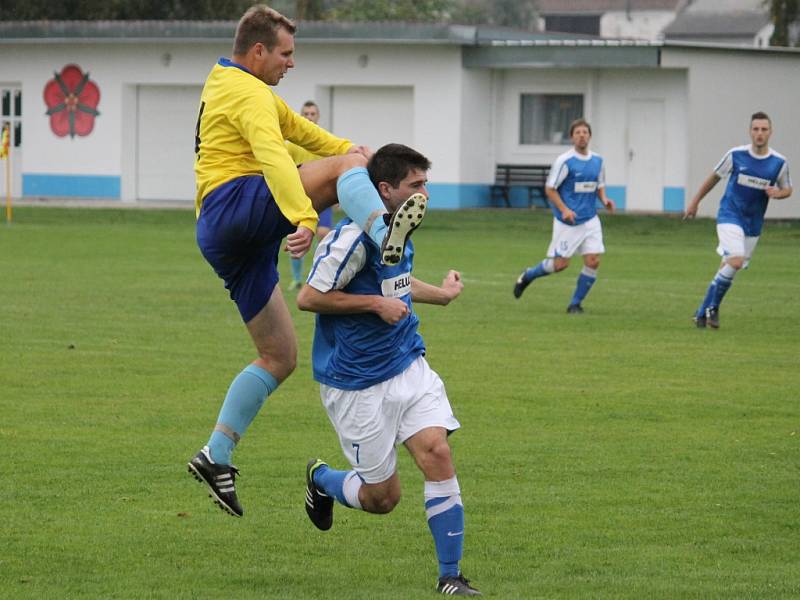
[588,25]
[545,118]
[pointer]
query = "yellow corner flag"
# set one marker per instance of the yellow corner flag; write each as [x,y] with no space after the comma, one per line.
[4,142]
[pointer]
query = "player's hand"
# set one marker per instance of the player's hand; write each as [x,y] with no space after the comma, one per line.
[364,151]
[452,285]
[391,310]
[298,243]
[568,215]
[610,206]
[691,210]
[772,191]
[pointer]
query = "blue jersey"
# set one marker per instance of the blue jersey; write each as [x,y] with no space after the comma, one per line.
[577,178]
[356,351]
[745,199]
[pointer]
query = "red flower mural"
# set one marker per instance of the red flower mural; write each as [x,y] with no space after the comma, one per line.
[71,100]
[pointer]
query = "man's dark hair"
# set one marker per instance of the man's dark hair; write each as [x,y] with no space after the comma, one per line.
[392,162]
[260,23]
[578,123]
[760,115]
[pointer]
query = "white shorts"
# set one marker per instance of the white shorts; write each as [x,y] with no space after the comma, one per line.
[372,421]
[733,242]
[586,238]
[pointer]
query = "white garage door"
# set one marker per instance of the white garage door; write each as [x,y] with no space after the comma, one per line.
[373,116]
[166,121]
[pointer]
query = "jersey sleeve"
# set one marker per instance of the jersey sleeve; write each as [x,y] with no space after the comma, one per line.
[338,258]
[259,124]
[558,173]
[784,181]
[724,166]
[309,136]
[601,176]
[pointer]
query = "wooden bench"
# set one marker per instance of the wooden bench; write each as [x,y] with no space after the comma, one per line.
[532,177]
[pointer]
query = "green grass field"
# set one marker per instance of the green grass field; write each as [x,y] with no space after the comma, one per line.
[617,454]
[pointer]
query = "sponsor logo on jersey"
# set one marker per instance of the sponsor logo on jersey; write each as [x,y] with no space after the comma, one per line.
[582,187]
[396,287]
[756,183]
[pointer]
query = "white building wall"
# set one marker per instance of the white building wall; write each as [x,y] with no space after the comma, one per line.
[726,86]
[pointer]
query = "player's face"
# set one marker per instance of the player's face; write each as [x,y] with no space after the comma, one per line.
[413,183]
[581,137]
[760,130]
[311,113]
[272,65]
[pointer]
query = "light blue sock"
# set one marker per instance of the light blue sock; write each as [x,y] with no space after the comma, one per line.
[585,282]
[543,269]
[340,485]
[297,269]
[360,200]
[446,521]
[245,396]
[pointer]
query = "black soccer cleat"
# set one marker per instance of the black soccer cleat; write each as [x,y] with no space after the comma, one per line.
[699,321]
[403,221]
[456,586]
[712,317]
[220,481]
[574,309]
[319,507]
[521,284]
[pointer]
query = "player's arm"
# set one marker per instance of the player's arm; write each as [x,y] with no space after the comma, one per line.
[308,135]
[336,302]
[783,189]
[601,191]
[555,198]
[705,187]
[427,293]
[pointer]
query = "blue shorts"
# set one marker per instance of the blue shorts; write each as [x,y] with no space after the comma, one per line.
[239,232]
[326,218]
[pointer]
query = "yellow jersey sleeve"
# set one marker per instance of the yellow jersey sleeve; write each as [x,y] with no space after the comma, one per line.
[241,129]
[300,155]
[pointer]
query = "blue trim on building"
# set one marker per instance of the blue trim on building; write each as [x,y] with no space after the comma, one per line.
[87,186]
[452,196]
[674,199]
[617,194]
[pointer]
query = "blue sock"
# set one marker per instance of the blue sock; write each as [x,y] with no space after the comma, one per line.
[297,269]
[245,396]
[446,522]
[543,269]
[585,282]
[709,298]
[340,485]
[717,289]
[360,200]
[723,284]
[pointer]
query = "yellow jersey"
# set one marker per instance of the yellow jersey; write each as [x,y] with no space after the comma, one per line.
[241,127]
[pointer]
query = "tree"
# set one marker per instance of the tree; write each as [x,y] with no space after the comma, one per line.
[784,13]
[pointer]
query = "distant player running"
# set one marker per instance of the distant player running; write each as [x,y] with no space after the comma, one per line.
[756,174]
[575,183]
[375,383]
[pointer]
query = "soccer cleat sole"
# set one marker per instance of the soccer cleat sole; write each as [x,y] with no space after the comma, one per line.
[211,493]
[404,220]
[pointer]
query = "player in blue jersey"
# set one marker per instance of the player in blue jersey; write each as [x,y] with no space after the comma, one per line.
[756,174]
[374,380]
[310,110]
[574,185]
[250,196]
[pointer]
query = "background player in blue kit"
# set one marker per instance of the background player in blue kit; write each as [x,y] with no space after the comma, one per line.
[374,380]
[309,110]
[755,174]
[575,183]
